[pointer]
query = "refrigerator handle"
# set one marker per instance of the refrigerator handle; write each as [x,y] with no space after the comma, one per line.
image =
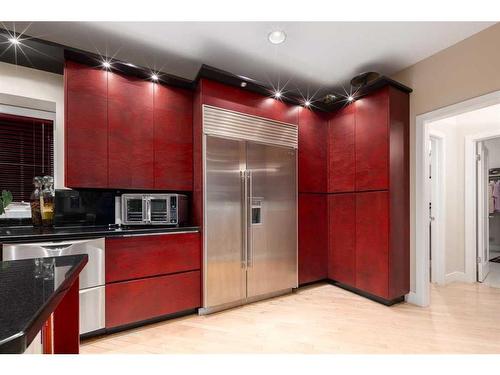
[244,218]
[249,221]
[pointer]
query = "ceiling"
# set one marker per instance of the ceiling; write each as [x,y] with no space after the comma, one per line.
[315,55]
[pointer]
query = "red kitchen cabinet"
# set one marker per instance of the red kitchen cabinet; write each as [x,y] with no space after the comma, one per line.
[313,237]
[136,257]
[138,300]
[372,141]
[86,126]
[372,243]
[313,129]
[173,138]
[341,147]
[341,238]
[248,102]
[130,132]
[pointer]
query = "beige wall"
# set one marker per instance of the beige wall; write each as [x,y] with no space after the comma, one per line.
[42,86]
[468,69]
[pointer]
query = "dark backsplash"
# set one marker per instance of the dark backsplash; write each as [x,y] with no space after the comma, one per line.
[84,207]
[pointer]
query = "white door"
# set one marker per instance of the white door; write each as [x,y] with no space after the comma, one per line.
[483,243]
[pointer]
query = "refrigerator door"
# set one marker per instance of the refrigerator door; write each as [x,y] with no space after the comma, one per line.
[225,215]
[272,233]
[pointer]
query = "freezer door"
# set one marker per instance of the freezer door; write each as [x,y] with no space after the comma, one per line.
[224,276]
[272,245]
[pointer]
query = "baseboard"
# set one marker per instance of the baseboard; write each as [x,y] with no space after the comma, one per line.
[455,277]
[412,298]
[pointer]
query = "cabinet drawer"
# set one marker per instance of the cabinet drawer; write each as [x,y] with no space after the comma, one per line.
[130,258]
[137,300]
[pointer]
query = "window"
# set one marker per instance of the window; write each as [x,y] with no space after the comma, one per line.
[26,151]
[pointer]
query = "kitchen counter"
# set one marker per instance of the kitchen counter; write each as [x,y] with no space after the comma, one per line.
[28,296]
[30,234]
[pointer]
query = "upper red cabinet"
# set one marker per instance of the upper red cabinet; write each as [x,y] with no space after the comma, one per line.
[372,141]
[341,159]
[312,151]
[86,126]
[124,132]
[173,138]
[130,119]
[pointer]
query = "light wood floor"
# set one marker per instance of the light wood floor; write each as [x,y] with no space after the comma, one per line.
[463,318]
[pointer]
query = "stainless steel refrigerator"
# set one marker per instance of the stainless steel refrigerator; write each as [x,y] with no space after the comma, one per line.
[250,208]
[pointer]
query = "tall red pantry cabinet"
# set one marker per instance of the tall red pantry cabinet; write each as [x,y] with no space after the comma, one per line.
[368,185]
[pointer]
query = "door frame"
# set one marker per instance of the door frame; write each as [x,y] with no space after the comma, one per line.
[438,255]
[420,293]
[482,210]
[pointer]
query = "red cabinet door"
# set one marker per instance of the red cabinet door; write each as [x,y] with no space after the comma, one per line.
[341,237]
[341,159]
[372,141]
[313,243]
[143,256]
[372,242]
[173,138]
[137,300]
[130,123]
[86,126]
[312,151]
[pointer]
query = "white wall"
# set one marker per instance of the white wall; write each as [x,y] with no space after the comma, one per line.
[36,84]
[455,130]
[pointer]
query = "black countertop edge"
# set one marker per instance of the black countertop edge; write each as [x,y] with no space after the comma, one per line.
[21,330]
[30,234]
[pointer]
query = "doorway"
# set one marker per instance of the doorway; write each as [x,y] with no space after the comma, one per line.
[462,224]
[488,172]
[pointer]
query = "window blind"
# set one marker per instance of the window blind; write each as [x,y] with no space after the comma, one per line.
[26,151]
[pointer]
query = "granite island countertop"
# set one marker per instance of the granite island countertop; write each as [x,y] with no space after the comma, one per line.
[30,291]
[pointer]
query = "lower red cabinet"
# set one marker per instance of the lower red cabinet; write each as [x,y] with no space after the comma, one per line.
[372,243]
[130,258]
[342,244]
[137,300]
[313,234]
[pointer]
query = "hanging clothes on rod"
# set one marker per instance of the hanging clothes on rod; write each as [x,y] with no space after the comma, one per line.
[491,197]
[496,195]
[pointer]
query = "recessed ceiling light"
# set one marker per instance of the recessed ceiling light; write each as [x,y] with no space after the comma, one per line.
[307,103]
[14,40]
[243,84]
[106,64]
[277,37]
[277,94]
[350,98]
[154,77]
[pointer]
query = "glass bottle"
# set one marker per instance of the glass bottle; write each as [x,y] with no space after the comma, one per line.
[36,215]
[47,201]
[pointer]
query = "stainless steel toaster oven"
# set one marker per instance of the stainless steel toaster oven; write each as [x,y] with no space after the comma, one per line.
[154,209]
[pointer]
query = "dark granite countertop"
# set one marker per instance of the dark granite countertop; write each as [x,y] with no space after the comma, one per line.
[28,295]
[29,233]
